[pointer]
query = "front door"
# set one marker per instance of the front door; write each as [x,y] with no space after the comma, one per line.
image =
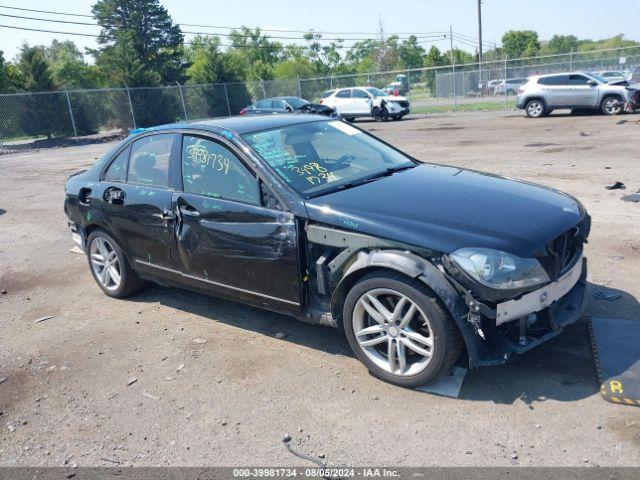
[360,102]
[136,201]
[228,241]
[585,94]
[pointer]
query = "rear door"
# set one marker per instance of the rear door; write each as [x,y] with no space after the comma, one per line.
[228,239]
[557,91]
[342,101]
[136,201]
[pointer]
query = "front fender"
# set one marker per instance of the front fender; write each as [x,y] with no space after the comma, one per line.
[419,268]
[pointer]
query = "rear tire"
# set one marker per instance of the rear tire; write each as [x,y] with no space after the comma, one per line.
[535,109]
[109,266]
[612,105]
[424,342]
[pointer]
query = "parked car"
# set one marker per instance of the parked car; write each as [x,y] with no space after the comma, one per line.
[394,88]
[578,90]
[511,86]
[356,102]
[312,217]
[613,75]
[286,105]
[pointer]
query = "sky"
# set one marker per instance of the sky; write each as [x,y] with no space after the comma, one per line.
[582,18]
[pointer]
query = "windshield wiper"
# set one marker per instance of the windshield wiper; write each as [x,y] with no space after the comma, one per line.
[361,181]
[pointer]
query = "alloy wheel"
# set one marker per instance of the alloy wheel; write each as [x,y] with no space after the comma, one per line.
[393,332]
[105,263]
[535,109]
[612,106]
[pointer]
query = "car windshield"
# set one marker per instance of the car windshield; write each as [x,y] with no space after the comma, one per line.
[315,158]
[376,92]
[296,102]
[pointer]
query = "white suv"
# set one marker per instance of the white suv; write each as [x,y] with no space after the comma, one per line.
[371,102]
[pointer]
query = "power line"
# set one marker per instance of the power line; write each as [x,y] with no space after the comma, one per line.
[270,46]
[421,34]
[213,34]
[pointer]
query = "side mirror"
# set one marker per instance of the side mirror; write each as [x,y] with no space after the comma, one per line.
[592,83]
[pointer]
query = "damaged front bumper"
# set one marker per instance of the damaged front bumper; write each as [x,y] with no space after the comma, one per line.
[517,326]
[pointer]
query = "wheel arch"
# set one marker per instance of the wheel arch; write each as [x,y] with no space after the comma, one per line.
[606,96]
[536,97]
[89,228]
[413,267]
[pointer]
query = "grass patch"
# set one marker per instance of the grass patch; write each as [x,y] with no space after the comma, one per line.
[465,107]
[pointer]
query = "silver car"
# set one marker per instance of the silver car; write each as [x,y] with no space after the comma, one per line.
[576,90]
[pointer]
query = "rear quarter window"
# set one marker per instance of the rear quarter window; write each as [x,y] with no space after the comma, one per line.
[117,170]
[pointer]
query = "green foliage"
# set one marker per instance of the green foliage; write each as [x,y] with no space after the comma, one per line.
[67,66]
[617,41]
[433,58]
[139,44]
[255,53]
[326,59]
[560,44]
[43,113]
[412,54]
[520,43]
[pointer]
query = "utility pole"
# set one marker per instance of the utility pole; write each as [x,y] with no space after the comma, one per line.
[480,41]
[453,67]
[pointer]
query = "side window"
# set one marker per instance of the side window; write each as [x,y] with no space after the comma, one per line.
[117,171]
[360,94]
[210,169]
[263,104]
[577,80]
[278,104]
[556,80]
[344,94]
[149,160]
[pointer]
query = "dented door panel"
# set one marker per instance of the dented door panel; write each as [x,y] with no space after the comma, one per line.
[237,245]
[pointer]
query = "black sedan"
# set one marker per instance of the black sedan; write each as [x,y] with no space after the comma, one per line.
[287,105]
[314,218]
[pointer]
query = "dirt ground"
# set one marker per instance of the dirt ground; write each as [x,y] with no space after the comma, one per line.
[215,387]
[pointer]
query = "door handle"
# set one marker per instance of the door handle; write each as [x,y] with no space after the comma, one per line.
[190,212]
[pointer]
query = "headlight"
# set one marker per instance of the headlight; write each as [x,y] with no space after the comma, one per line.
[499,270]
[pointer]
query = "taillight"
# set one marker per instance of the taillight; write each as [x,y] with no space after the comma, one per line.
[520,90]
[243,111]
[321,100]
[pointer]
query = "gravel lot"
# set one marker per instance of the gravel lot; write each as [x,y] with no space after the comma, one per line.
[215,387]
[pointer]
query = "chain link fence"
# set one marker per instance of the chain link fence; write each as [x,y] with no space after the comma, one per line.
[30,120]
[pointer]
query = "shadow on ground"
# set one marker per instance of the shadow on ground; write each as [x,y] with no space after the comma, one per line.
[561,369]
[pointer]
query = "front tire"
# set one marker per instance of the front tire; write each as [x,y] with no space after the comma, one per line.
[109,266]
[381,114]
[535,108]
[397,327]
[612,105]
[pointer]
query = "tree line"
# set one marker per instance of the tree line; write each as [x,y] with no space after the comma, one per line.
[139,45]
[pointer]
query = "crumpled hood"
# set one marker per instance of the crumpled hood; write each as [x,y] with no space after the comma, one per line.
[446,208]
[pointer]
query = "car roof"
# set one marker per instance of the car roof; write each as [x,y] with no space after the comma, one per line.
[284,97]
[241,124]
[578,72]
